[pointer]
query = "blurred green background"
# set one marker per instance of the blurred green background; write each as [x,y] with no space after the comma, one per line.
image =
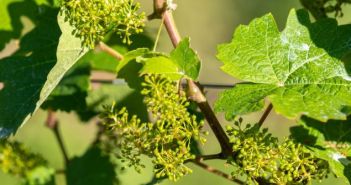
[208,23]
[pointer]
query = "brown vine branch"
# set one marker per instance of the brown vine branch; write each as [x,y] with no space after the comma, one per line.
[105,48]
[196,95]
[52,123]
[265,115]
[195,92]
[217,172]
[171,28]
[210,157]
[159,12]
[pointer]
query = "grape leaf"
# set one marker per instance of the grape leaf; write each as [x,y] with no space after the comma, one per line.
[183,62]
[162,65]
[301,68]
[71,92]
[330,141]
[33,72]
[92,168]
[187,59]
[243,99]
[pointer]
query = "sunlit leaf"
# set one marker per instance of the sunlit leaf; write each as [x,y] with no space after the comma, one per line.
[301,68]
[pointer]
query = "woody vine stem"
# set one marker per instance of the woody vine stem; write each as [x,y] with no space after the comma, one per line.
[197,95]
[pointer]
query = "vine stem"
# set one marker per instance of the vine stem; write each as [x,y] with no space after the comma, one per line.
[265,115]
[194,90]
[52,123]
[209,157]
[104,47]
[171,28]
[195,94]
[216,171]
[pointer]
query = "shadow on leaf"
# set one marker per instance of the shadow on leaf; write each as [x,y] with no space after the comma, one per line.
[92,168]
[327,34]
[330,141]
[25,72]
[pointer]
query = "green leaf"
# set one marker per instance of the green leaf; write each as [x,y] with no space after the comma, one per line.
[162,65]
[187,59]
[71,92]
[330,141]
[303,65]
[183,62]
[93,168]
[243,99]
[34,71]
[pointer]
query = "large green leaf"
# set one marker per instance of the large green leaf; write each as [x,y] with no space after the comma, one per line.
[35,70]
[330,141]
[301,69]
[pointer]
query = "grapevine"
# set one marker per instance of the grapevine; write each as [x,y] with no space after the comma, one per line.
[157,111]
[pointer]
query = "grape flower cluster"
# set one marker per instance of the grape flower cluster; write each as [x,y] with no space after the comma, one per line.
[264,160]
[166,139]
[93,19]
[15,159]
